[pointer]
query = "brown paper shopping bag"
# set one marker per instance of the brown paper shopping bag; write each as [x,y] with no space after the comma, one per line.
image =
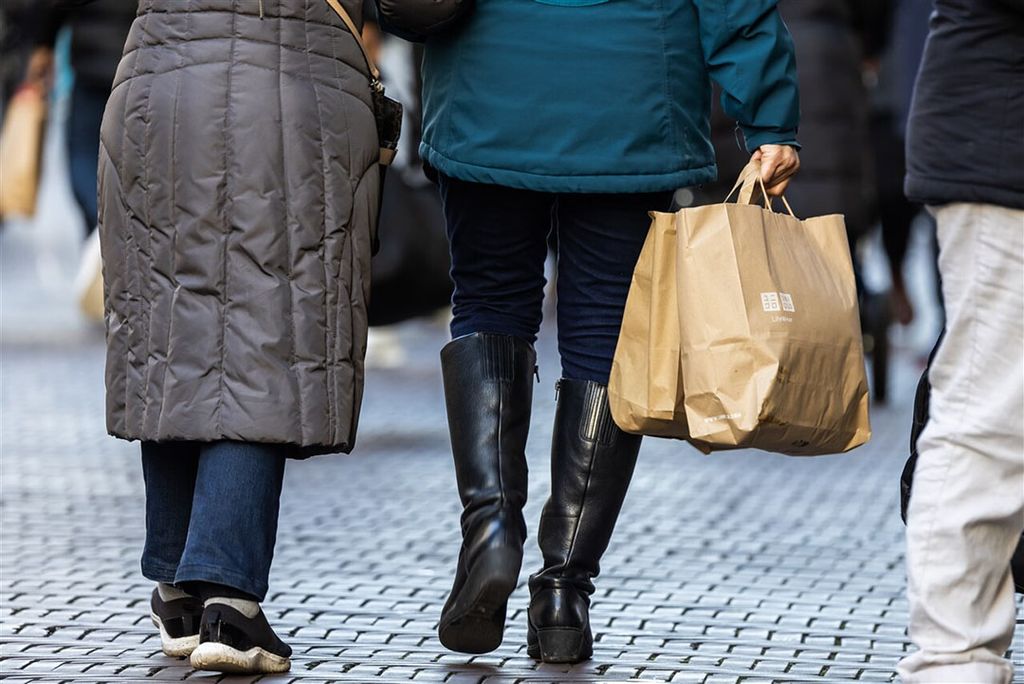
[769,340]
[645,390]
[21,145]
[772,353]
[646,386]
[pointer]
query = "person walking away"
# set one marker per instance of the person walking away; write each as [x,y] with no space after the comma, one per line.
[833,38]
[579,118]
[965,141]
[836,42]
[238,193]
[893,87]
[98,32]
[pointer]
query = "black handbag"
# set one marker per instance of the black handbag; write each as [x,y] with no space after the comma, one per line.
[388,112]
[410,274]
[409,277]
[417,20]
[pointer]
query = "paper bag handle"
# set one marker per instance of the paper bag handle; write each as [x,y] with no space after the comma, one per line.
[749,178]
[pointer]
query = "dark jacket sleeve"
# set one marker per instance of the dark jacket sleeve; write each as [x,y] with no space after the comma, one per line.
[749,52]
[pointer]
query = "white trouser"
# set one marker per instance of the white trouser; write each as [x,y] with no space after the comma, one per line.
[967,509]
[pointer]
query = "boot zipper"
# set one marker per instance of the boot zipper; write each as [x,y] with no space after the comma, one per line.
[558,387]
[536,373]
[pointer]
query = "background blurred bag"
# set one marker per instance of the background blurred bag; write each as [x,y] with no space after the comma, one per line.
[88,286]
[410,272]
[21,148]
[409,275]
[770,351]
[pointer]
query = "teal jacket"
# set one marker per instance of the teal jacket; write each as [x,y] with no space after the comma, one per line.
[603,95]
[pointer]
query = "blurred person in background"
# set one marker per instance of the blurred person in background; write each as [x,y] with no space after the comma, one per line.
[577,117]
[965,143]
[19,20]
[97,34]
[834,39]
[236,222]
[98,31]
[891,82]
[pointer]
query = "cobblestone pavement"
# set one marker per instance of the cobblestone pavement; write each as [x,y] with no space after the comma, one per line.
[741,567]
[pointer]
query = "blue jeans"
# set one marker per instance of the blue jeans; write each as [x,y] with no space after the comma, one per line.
[211,513]
[499,241]
[83,143]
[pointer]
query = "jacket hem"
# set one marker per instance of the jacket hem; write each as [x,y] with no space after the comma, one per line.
[583,183]
[290,449]
[934,191]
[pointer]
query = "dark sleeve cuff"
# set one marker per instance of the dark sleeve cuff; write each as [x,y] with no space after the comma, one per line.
[756,137]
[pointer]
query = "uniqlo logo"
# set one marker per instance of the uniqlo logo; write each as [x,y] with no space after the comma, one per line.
[770,301]
[787,302]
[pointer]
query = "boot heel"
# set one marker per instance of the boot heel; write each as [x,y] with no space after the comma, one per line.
[475,623]
[563,645]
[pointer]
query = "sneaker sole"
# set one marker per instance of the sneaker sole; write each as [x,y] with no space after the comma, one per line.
[217,657]
[180,647]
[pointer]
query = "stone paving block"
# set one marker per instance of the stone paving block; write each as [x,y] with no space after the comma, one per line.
[842,673]
[465,678]
[811,670]
[778,667]
[721,679]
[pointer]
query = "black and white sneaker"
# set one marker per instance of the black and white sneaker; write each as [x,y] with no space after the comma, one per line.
[178,622]
[233,643]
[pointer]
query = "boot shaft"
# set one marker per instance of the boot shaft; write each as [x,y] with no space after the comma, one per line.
[592,463]
[488,385]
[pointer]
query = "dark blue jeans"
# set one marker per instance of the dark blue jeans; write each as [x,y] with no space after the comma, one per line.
[499,241]
[83,143]
[211,513]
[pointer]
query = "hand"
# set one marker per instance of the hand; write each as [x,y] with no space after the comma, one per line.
[778,164]
[39,71]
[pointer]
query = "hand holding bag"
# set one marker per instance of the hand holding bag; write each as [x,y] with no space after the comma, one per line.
[770,350]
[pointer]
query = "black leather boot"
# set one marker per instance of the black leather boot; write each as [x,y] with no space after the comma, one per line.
[488,386]
[592,462]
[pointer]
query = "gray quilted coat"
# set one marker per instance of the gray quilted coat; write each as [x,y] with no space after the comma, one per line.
[238,196]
